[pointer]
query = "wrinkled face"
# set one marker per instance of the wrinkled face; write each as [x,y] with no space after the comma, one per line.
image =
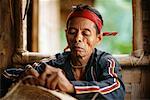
[81,36]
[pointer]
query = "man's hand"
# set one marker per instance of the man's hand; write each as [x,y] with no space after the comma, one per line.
[52,78]
[29,70]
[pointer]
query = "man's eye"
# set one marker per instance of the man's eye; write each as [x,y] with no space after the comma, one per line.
[86,33]
[72,32]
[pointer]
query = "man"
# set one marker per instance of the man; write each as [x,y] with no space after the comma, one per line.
[83,71]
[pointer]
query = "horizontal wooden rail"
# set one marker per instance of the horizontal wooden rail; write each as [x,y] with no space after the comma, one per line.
[125,60]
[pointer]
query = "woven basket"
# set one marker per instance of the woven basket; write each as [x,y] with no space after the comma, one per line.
[22,91]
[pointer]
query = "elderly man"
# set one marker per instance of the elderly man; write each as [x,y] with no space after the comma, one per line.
[82,70]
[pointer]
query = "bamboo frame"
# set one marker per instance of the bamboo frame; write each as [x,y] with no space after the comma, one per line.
[137,25]
[35,26]
[22,56]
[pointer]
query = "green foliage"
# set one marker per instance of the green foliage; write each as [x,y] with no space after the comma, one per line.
[63,38]
[117,16]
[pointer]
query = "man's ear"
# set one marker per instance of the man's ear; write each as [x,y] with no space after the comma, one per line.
[66,30]
[99,38]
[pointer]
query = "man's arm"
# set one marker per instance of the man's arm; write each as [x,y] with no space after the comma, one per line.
[108,84]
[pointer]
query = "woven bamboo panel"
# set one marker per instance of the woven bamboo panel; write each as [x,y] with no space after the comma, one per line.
[30,92]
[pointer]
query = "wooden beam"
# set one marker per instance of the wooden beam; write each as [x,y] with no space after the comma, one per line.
[35,23]
[18,24]
[137,26]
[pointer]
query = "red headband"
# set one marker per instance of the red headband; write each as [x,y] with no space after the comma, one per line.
[89,15]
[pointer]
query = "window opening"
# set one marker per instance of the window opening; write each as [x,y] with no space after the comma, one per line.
[117,16]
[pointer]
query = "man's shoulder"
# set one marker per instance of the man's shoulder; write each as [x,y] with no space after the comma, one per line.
[104,56]
[62,55]
[59,59]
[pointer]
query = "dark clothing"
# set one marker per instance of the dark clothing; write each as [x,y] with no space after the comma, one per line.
[102,75]
[102,78]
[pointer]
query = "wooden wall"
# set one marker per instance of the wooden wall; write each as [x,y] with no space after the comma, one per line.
[7,34]
[136,78]
[137,82]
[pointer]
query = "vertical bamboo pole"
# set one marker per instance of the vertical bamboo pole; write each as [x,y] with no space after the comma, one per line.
[137,27]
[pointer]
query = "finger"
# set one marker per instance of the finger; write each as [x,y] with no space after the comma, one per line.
[48,71]
[34,64]
[30,80]
[54,84]
[64,84]
[42,79]
[34,81]
[52,81]
[31,71]
[34,72]
[43,75]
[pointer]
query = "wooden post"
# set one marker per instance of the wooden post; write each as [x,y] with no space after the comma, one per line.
[137,27]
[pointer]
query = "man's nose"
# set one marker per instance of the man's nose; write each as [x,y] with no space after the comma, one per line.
[78,37]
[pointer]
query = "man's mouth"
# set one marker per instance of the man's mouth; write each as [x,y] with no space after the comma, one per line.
[78,48]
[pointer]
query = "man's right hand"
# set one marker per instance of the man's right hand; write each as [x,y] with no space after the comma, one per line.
[29,70]
[52,78]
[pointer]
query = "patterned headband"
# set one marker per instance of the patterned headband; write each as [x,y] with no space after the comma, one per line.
[85,13]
